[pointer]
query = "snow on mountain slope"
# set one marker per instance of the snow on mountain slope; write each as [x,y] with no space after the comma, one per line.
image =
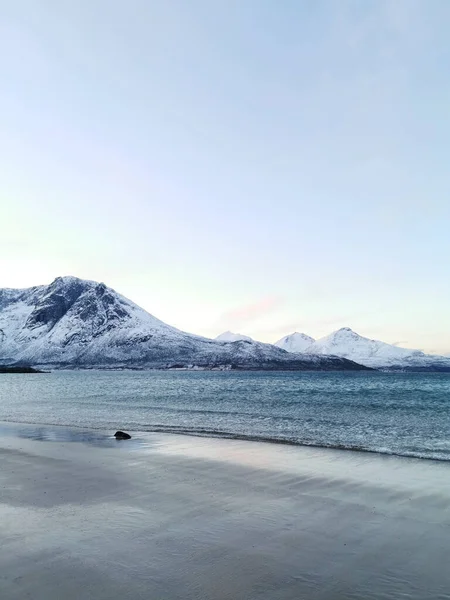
[229,336]
[376,354]
[78,323]
[295,342]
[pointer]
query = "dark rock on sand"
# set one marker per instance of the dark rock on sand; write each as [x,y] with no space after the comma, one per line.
[121,435]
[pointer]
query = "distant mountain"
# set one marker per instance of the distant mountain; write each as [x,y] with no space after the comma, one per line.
[376,354]
[229,336]
[75,323]
[295,342]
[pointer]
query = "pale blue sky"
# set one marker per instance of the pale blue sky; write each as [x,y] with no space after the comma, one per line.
[259,166]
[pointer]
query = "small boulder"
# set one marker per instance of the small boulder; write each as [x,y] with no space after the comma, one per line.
[121,435]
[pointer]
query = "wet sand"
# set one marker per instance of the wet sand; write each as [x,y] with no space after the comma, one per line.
[171,517]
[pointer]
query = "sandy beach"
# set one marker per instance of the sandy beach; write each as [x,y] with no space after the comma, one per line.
[173,517]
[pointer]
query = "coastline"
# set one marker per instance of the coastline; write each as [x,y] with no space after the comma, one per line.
[174,517]
[81,434]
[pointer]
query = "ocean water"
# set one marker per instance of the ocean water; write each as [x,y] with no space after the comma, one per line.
[404,414]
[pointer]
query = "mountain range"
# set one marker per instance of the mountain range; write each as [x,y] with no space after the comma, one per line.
[372,353]
[74,323]
[346,343]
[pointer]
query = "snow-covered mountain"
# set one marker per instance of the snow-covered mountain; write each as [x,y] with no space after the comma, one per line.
[78,323]
[376,354]
[295,342]
[229,336]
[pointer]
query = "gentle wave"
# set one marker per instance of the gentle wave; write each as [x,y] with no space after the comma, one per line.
[396,414]
[441,455]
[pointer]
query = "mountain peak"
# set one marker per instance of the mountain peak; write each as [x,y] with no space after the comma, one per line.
[295,342]
[229,336]
[70,280]
[65,279]
[345,333]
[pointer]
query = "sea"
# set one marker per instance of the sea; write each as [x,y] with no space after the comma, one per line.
[406,414]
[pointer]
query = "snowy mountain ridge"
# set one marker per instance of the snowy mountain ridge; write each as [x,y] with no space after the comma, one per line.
[373,353]
[76,323]
[295,342]
[229,336]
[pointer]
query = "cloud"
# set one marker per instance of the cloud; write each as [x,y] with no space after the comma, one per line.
[247,313]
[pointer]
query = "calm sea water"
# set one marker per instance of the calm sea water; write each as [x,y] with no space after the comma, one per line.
[406,414]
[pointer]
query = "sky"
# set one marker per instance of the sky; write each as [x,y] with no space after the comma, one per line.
[254,166]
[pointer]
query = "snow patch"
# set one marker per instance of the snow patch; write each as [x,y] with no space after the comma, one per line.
[229,336]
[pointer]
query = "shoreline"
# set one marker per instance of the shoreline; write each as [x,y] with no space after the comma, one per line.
[183,518]
[219,435]
[385,370]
